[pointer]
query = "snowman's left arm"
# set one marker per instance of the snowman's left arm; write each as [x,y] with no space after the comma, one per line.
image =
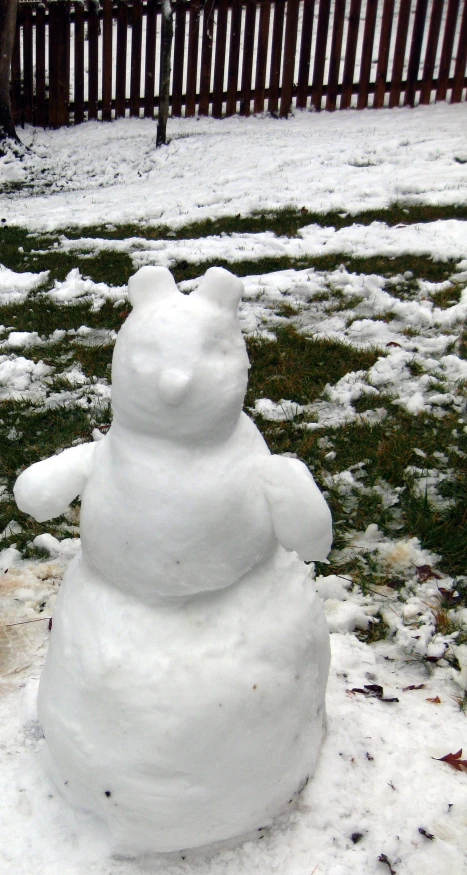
[300,514]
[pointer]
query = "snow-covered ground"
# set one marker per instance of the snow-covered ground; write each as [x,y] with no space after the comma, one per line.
[349,161]
[379,798]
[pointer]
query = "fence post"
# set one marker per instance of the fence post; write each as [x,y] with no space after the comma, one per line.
[446,52]
[93,49]
[107,61]
[305,53]
[79,64]
[459,70]
[290,47]
[383,54]
[59,63]
[41,120]
[149,89]
[192,70]
[336,46]
[415,52]
[367,51]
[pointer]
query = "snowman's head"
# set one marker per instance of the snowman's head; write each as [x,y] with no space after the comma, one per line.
[180,365]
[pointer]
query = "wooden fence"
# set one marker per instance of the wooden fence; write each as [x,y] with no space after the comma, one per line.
[74,61]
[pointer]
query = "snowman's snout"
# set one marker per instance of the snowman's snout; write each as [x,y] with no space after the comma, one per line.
[174,384]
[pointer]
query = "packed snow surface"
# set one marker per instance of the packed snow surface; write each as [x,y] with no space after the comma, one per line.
[345,161]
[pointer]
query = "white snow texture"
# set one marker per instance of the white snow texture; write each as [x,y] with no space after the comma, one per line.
[182,700]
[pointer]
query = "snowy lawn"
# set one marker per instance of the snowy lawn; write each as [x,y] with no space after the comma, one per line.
[350,233]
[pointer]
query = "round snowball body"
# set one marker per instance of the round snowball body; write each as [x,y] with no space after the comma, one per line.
[191,722]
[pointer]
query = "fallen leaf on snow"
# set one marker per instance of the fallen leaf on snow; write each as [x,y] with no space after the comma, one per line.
[454,760]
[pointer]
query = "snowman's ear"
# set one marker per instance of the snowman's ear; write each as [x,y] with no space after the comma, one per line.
[151,284]
[220,287]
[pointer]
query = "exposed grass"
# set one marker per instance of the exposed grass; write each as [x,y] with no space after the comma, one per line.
[285,222]
[296,367]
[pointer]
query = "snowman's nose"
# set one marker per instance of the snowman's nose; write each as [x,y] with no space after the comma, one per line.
[174,384]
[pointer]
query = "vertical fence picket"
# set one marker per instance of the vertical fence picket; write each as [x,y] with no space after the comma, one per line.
[16,73]
[107,61]
[234,56]
[399,53]
[350,54]
[446,51]
[59,67]
[383,53]
[192,67]
[150,69]
[247,61]
[305,53]
[136,42]
[28,87]
[219,61]
[79,64]
[41,118]
[335,60]
[206,57]
[320,53]
[367,52]
[290,46]
[459,70]
[262,55]
[431,49]
[120,72]
[276,56]
[415,52]
[179,57]
[93,66]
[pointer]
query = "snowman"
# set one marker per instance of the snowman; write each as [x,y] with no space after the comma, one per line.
[182,699]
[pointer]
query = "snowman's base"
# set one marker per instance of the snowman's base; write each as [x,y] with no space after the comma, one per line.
[190,723]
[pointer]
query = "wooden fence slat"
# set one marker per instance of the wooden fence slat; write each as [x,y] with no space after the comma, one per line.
[335,59]
[446,51]
[149,73]
[93,65]
[399,52]
[53,66]
[136,43]
[41,119]
[320,53]
[290,47]
[247,63]
[107,61]
[415,52]
[16,74]
[206,57]
[59,66]
[120,72]
[28,87]
[262,55]
[431,49]
[383,54]
[234,56]
[276,56]
[461,58]
[305,53]
[179,56]
[219,62]
[350,54]
[367,52]
[192,69]
[79,64]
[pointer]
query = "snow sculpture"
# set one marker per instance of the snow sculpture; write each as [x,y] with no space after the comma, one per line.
[182,699]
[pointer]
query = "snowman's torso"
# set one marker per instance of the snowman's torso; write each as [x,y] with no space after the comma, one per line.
[155,520]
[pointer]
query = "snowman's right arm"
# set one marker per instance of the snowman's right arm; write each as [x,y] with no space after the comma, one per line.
[46,488]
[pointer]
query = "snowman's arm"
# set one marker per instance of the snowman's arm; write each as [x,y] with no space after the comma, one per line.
[46,488]
[300,515]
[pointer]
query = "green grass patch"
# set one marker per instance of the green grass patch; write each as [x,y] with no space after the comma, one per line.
[284,222]
[297,368]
